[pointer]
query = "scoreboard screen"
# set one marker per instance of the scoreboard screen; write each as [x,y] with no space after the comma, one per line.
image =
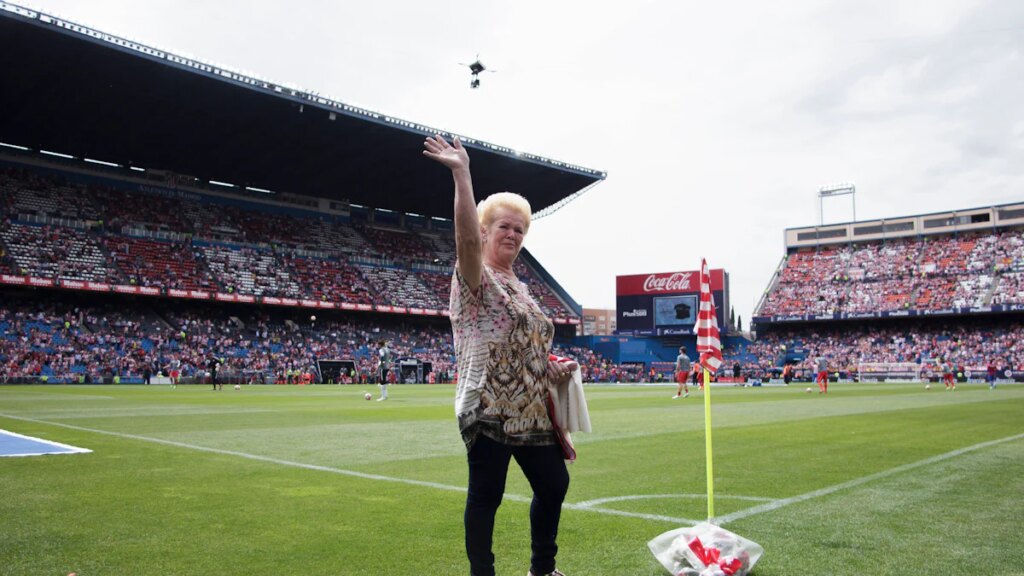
[675,310]
[666,304]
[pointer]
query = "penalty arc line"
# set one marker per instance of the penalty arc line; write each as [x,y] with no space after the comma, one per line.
[770,506]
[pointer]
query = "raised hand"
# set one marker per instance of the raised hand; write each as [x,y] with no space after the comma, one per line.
[468,242]
[453,155]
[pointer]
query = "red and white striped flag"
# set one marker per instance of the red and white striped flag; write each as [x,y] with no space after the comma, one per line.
[709,343]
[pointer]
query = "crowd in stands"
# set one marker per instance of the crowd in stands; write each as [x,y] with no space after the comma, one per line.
[156,263]
[76,340]
[930,273]
[177,241]
[964,342]
[596,368]
[54,229]
[138,238]
[1010,290]
[79,340]
[404,288]
[72,341]
[330,280]
[53,252]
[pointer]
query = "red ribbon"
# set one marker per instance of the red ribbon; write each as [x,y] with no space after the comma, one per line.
[712,555]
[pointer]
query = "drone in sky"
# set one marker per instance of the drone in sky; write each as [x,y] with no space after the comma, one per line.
[474,70]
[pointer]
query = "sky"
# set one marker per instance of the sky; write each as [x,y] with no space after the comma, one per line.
[717,122]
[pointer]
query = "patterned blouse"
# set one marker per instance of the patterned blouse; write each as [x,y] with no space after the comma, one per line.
[502,341]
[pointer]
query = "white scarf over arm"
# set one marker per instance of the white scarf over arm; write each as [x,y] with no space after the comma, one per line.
[571,404]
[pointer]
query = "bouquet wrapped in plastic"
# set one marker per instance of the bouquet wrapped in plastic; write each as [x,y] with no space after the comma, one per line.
[705,550]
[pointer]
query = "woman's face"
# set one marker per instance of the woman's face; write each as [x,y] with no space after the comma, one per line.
[504,236]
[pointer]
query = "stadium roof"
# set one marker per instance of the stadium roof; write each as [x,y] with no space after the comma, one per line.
[87,94]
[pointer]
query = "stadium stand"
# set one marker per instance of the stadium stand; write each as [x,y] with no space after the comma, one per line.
[158,263]
[329,279]
[930,273]
[111,236]
[73,338]
[55,252]
[953,294]
[243,250]
[971,344]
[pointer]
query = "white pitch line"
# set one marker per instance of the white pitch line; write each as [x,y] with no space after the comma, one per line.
[614,512]
[770,506]
[363,475]
[256,457]
[596,501]
[586,506]
[592,505]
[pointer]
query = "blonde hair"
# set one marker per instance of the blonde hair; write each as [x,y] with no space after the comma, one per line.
[507,200]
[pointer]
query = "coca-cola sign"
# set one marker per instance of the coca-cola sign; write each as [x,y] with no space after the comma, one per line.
[665,283]
[677,282]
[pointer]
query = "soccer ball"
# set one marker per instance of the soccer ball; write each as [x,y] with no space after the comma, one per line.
[808,390]
[368,396]
[238,387]
[927,386]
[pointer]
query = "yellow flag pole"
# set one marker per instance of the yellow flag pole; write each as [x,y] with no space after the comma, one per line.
[707,442]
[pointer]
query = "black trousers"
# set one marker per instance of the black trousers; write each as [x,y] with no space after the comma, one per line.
[544,467]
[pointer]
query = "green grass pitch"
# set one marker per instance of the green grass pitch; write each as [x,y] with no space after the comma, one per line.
[284,480]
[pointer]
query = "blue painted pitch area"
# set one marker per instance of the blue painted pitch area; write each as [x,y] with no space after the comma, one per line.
[14,444]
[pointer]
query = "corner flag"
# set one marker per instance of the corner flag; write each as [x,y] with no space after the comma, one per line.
[706,548]
[709,344]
